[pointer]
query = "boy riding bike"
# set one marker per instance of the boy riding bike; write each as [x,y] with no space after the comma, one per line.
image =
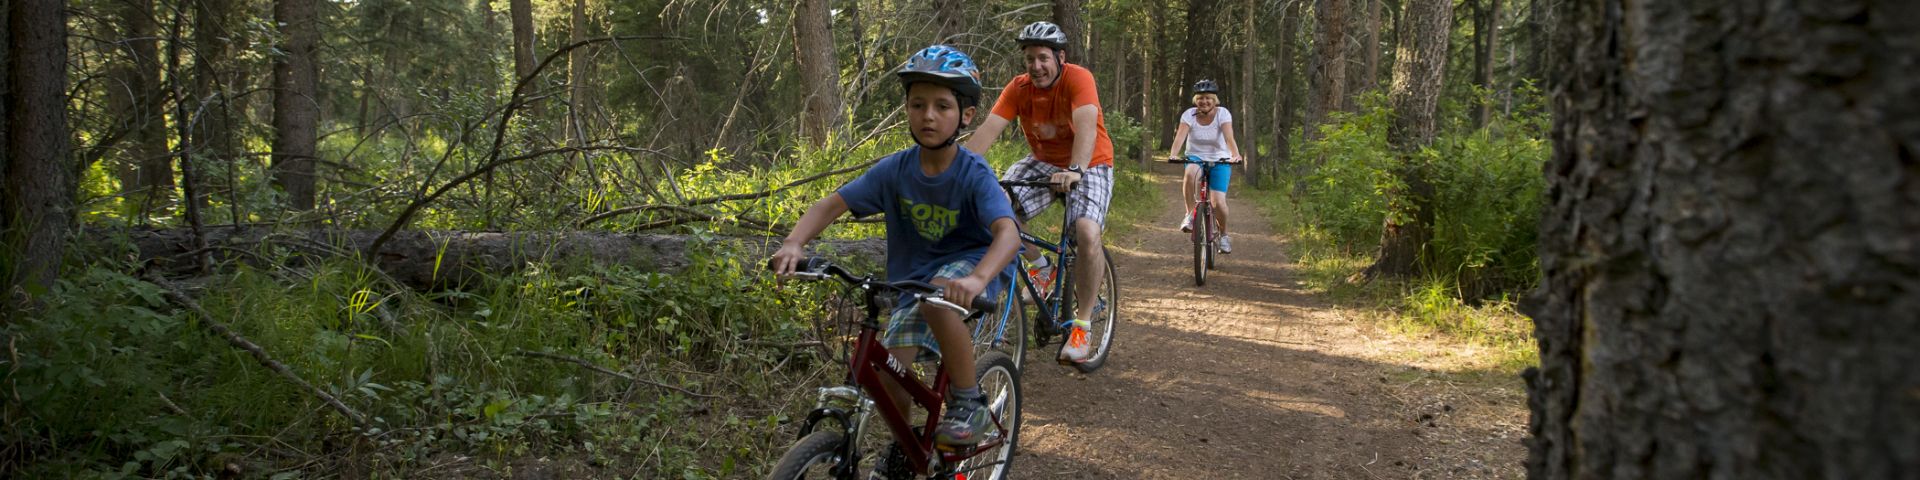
[1058,107]
[948,223]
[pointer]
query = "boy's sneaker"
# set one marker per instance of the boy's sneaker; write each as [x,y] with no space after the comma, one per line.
[1186,225]
[1225,246]
[966,422]
[1077,348]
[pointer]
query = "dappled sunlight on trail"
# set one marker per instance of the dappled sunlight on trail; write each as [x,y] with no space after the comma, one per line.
[1253,376]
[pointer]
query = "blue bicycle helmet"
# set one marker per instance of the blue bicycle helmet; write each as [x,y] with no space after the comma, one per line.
[946,66]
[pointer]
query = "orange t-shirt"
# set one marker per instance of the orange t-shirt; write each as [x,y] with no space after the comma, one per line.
[1046,115]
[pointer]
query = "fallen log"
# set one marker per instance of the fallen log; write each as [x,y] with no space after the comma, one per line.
[432,260]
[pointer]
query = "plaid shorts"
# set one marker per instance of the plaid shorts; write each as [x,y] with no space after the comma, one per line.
[905,328]
[1090,198]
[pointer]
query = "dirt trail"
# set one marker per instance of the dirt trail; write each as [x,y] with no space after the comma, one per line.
[1252,376]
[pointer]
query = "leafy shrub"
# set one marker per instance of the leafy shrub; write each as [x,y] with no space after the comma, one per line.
[1488,194]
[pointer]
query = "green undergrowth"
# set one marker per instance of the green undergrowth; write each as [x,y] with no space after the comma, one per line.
[1481,259]
[112,380]
[1423,306]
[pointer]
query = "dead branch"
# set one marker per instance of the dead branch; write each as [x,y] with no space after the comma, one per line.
[499,138]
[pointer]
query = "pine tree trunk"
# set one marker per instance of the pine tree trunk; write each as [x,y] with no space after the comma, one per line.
[1329,68]
[211,111]
[296,111]
[577,78]
[1147,59]
[136,98]
[1242,125]
[1066,13]
[1485,38]
[1729,252]
[1168,84]
[950,19]
[37,201]
[819,70]
[1284,104]
[1202,46]
[1363,52]
[1418,73]
[523,42]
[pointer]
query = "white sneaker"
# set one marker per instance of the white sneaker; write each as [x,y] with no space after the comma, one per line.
[1186,225]
[1077,348]
[1225,246]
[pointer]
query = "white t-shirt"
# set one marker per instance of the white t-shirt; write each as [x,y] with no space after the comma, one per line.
[1206,141]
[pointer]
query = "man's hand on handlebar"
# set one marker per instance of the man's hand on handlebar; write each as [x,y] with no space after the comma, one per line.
[1063,181]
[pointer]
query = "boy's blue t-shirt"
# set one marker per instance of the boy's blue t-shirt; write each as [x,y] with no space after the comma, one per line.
[931,221]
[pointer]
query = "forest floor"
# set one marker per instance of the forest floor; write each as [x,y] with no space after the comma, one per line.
[1255,376]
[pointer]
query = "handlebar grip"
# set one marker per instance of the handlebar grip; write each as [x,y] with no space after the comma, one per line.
[982,303]
[809,264]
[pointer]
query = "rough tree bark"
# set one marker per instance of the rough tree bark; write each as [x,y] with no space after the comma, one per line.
[1066,14]
[1167,84]
[1147,120]
[949,18]
[1419,68]
[134,95]
[819,70]
[296,107]
[577,77]
[1284,106]
[1247,119]
[1486,37]
[1363,51]
[1731,278]
[1202,48]
[213,140]
[36,203]
[1329,68]
[523,42]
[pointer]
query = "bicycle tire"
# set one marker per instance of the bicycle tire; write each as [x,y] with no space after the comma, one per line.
[997,365]
[818,452]
[1104,326]
[1201,230]
[1011,328]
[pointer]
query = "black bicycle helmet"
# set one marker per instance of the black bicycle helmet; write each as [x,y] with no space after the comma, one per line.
[1042,33]
[1205,86]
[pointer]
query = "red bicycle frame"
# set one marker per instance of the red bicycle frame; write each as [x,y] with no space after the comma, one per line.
[871,360]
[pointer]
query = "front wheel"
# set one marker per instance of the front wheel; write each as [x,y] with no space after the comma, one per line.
[1202,229]
[1106,318]
[816,456]
[1000,382]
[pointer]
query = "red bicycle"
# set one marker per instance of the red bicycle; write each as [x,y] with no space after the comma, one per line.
[1205,237]
[838,453]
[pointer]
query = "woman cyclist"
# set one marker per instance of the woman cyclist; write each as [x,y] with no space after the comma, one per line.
[1207,131]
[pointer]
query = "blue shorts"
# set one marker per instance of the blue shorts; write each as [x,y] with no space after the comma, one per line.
[1217,179]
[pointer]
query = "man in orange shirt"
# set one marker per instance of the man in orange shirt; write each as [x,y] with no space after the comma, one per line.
[1059,111]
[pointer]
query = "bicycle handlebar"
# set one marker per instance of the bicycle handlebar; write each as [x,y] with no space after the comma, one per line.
[1227,161]
[1035,182]
[816,268]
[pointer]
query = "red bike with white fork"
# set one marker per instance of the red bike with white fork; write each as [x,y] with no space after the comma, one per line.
[1205,235]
